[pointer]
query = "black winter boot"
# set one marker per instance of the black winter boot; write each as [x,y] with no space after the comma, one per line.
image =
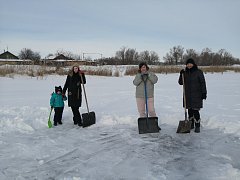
[75,121]
[192,124]
[197,127]
[80,122]
[191,119]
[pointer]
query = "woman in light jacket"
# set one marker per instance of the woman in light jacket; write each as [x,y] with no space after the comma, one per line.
[150,79]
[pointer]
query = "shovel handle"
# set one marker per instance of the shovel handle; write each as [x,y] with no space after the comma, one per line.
[146,100]
[184,96]
[84,91]
[50,113]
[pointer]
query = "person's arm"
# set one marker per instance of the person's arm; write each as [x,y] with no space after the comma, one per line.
[138,79]
[66,85]
[83,79]
[64,97]
[180,81]
[152,77]
[52,100]
[203,85]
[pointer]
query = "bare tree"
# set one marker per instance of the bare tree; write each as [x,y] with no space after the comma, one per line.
[190,53]
[144,56]
[121,55]
[168,59]
[175,55]
[29,54]
[154,58]
[49,55]
[206,57]
[225,57]
[131,56]
[127,55]
[149,57]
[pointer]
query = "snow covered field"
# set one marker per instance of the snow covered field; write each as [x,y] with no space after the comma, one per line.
[112,148]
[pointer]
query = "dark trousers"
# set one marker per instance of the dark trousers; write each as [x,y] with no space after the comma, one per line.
[76,116]
[58,114]
[192,113]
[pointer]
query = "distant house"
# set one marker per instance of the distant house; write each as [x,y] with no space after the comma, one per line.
[8,55]
[9,58]
[62,60]
[61,57]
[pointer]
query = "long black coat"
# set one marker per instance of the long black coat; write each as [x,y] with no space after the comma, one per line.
[73,85]
[195,86]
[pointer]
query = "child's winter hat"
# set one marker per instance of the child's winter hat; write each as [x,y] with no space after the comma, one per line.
[58,88]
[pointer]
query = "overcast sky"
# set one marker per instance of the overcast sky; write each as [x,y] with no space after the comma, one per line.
[104,26]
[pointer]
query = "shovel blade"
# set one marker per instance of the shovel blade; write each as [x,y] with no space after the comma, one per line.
[49,123]
[184,126]
[88,119]
[148,125]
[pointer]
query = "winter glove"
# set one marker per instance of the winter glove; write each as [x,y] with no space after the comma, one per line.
[144,73]
[144,76]
[204,96]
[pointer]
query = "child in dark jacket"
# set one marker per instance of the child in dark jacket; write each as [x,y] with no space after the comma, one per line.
[57,102]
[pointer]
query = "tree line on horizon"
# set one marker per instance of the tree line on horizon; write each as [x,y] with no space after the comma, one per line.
[176,56]
[130,56]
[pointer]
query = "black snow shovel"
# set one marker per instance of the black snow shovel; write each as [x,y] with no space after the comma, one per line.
[88,118]
[147,124]
[185,125]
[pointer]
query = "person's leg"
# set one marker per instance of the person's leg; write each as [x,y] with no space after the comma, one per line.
[191,117]
[197,120]
[76,116]
[56,116]
[151,109]
[60,115]
[141,107]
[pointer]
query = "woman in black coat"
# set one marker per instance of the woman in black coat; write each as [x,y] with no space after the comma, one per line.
[195,91]
[73,85]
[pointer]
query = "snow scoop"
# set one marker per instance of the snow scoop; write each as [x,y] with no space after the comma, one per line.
[88,118]
[147,124]
[185,125]
[49,119]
